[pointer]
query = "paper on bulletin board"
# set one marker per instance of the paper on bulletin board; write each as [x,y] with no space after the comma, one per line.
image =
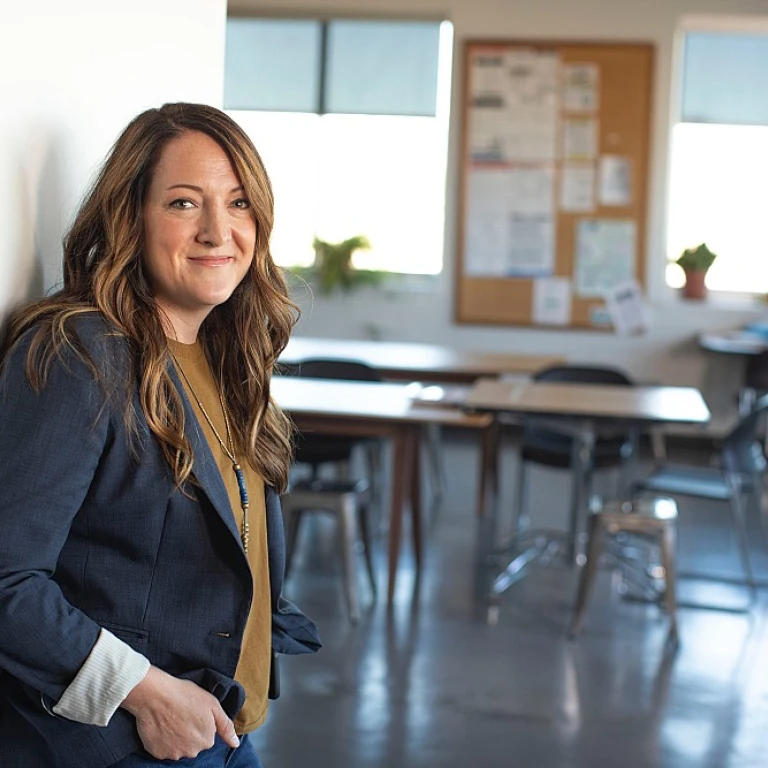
[627,307]
[531,245]
[581,87]
[531,190]
[531,94]
[577,188]
[510,228]
[487,107]
[514,107]
[580,138]
[605,255]
[551,301]
[486,238]
[615,181]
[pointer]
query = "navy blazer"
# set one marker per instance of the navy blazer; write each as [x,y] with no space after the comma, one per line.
[95,534]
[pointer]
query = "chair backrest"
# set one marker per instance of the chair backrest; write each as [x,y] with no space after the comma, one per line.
[316,449]
[349,370]
[583,374]
[742,450]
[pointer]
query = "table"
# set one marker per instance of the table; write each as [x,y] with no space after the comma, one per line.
[736,342]
[581,410]
[747,344]
[373,409]
[401,361]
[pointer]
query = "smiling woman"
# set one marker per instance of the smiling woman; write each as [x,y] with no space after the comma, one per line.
[141,458]
[199,232]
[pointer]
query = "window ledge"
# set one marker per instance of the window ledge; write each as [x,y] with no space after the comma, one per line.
[721,300]
[402,283]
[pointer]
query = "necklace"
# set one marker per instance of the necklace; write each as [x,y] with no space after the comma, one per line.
[228,448]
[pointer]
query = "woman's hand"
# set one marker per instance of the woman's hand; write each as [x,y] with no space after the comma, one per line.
[177,718]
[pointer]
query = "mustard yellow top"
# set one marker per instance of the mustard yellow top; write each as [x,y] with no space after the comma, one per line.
[255,657]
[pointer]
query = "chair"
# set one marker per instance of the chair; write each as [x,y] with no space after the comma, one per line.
[740,474]
[348,501]
[649,518]
[317,450]
[550,448]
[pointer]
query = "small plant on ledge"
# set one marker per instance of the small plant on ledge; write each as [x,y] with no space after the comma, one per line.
[333,268]
[695,263]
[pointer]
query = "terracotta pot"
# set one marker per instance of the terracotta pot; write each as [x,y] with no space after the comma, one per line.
[694,287]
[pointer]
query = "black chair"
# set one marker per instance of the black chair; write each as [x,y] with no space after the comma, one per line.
[317,450]
[550,448]
[739,477]
[348,499]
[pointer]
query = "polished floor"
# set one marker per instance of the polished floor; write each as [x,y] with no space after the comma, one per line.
[429,684]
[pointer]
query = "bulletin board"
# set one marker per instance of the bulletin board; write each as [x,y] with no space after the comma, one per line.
[553,180]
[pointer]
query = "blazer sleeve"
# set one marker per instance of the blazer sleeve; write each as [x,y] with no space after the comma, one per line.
[51,442]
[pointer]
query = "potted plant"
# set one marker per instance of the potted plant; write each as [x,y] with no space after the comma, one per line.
[695,263]
[333,268]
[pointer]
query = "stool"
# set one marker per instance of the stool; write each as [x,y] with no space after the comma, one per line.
[349,501]
[651,517]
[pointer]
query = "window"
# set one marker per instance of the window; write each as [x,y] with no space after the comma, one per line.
[354,135]
[719,153]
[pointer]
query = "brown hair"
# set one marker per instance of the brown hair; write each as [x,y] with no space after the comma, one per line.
[104,272]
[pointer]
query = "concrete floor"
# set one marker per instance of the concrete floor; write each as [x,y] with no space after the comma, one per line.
[428,684]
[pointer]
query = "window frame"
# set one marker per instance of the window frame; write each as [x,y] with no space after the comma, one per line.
[707,23]
[324,20]
[418,282]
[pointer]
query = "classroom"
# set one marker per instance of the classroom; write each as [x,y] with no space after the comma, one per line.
[482,598]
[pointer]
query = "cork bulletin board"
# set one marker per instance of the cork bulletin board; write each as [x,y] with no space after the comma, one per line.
[553,180]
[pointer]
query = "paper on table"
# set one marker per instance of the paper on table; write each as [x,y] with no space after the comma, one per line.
[577,188]
[581,87]
[615,184]
[552,301]
[605,255]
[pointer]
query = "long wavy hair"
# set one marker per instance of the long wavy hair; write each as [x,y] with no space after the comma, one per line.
[104,273]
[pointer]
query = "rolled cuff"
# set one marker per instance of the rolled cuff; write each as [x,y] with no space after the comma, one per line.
[111,671]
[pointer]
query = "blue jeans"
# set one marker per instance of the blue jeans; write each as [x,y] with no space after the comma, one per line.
[218,756]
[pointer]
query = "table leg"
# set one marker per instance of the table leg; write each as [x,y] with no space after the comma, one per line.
[488,474]
[581,465]
[402,465]
[415,497]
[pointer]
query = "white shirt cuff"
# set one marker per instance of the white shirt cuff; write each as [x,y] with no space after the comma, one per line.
[108,675]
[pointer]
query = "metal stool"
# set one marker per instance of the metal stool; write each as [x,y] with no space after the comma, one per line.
[652,517]
[349,501]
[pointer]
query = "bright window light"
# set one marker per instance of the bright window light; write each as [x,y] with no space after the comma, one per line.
[718,196]
[336,176]
[718,173]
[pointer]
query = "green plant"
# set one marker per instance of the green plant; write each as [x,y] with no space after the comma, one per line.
[698,259]
[333,266]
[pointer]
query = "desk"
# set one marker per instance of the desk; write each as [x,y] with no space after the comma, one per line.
[416,362]
[372,409]
[582,410]
[736,342]
[746,344]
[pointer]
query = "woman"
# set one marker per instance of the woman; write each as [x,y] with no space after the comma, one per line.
[141,558]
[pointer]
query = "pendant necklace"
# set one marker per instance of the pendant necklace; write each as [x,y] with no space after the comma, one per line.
[228,448]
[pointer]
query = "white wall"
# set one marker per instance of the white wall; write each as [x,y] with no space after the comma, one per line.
[667,353]
[72,74]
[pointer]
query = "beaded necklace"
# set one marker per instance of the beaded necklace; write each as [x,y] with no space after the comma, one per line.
[229,450]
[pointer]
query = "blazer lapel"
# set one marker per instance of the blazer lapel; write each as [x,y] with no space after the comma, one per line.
[205,470]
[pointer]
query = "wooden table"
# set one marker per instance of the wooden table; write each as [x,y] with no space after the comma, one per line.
[582,411]
[371,409]
[399,361]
